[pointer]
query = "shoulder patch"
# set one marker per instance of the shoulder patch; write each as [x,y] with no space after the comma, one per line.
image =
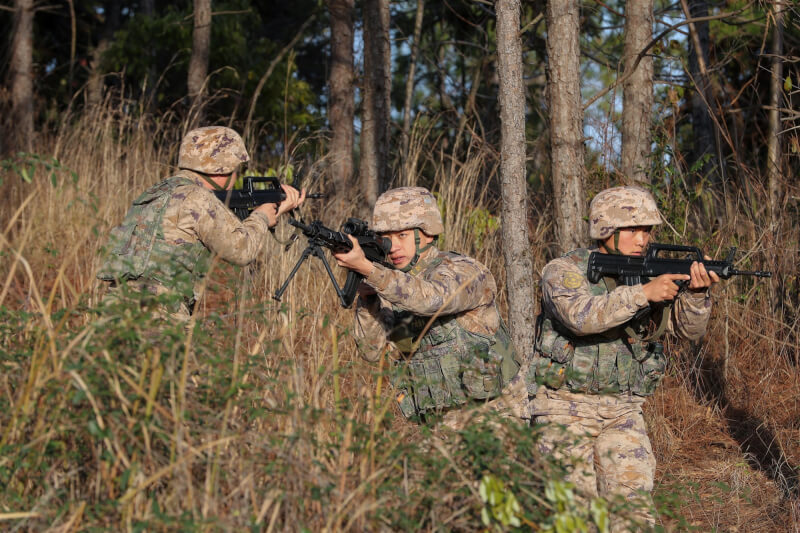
[571,280]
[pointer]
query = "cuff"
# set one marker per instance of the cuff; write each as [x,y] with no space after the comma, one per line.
[703,294]
[639,297]
[258,215]
[380,277]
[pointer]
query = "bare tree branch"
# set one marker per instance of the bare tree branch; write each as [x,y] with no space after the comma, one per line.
[652,43]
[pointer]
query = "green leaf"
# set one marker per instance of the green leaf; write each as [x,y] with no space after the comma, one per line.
[599,511]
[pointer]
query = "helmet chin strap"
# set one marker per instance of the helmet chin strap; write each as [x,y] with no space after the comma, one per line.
[214,184]
[417,251]
[615,251]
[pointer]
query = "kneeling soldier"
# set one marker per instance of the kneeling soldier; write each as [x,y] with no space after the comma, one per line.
[166,241]
[437,309]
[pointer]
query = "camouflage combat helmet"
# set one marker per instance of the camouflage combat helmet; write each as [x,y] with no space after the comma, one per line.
[621,207]
[212,150]
[406,208]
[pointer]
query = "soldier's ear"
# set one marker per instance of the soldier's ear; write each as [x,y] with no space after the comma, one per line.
[425,238]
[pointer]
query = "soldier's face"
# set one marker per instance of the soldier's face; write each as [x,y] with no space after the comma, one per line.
[403,246]
[632,241]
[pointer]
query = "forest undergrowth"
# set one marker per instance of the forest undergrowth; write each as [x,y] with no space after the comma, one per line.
[261,416]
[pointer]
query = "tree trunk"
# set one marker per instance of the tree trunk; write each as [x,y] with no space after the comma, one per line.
[112,12]
[342,97]
[198,62]
[516,242]
[376,105]
[637,92]
[21,77]
[774,173]
[412,67]
[149,9]
[566,122]
[704,153]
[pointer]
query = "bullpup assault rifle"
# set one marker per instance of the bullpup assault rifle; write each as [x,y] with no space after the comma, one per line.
[632,270]
[375,248]
[243,201]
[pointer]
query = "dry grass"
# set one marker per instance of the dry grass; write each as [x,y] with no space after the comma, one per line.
[277,424]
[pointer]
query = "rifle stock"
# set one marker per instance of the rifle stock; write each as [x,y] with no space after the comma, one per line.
[633,270]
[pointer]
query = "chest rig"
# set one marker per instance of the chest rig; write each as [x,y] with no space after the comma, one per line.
[137,249]
[622,359]
[447,365]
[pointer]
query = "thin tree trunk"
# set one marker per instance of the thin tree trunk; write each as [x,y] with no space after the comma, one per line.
[149,9]
[566,121]
[637,91]
[21,77]
[516,241]
[412,67]
[377,86]
[704,153]
[342,93]
[774,173]
[95,85]
[198,62]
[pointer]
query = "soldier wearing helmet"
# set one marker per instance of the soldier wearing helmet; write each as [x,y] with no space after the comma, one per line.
[436,310]
[597,350]
[168,237]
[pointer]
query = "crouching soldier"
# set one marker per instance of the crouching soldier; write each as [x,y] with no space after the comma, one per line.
[597,352]
[165,243]
[437,310]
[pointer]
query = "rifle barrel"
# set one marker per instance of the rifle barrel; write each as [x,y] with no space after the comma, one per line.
[756,273]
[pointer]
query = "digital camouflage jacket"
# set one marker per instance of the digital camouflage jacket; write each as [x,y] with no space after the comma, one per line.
[171,232]
[591,335]
[464,351]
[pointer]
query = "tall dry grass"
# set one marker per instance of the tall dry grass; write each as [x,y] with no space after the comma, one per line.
[264,417]
[261,416]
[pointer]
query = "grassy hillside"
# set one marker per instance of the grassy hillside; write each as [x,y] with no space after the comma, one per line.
[261,416]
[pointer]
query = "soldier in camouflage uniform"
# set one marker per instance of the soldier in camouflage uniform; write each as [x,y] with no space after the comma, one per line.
[168,237]
[597,358]
[437,309]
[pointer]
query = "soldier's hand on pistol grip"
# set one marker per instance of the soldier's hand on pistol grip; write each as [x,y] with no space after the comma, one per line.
[354,259]
[663,288]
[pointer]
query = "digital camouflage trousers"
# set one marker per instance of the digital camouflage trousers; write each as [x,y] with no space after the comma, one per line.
[603,441]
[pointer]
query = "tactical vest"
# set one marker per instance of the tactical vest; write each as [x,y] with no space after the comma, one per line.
[612,362]
[137,249]
[450,365]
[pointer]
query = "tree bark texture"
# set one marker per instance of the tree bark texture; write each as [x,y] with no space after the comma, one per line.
[21,77]
[95,85]
[566,121]
[149,9]
[412,68]
[342,93]
[702,124]
[637,92]
[774,171]
[376,104]
[201,45]
[516,241]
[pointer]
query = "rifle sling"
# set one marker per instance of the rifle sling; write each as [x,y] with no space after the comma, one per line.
[662,310]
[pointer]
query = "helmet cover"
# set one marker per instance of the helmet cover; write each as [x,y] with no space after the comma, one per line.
[407,208]
[621,207]
[212,150]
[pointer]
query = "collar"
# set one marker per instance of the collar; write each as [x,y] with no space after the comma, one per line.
[425,259]
[190,175]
